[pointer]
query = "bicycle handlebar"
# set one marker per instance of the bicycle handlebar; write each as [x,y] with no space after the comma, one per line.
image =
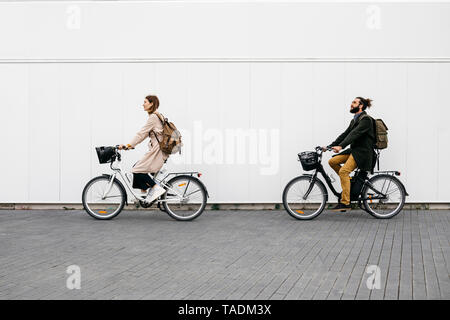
[124,147]
[319,148]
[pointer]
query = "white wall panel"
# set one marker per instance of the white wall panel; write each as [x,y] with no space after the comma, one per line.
[171,87]
[159,29]
[265,107]
[14,133]
[330,113]
[206,139]
[443,132]
[138,81]
[391,105]
[44,138]
[76,107]
[269,72]
[15,17]
[75,130]
[234,115]
[422,131]
[297,108]
[107,111]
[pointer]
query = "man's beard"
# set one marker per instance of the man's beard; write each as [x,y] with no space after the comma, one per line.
[354,110]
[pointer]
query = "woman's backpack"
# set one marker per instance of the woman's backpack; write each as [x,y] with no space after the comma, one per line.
[171,137]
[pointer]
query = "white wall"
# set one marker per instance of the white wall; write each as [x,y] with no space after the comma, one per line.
[291,67]
[202,29]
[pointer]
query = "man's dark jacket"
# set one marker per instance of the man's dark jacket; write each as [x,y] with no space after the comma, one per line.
[360,136]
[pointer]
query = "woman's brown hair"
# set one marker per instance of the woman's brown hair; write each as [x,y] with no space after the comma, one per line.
[155,101]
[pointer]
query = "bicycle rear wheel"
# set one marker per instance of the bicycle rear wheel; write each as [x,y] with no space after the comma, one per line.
[384,207]
[103,199]
[185,198]
[297,206]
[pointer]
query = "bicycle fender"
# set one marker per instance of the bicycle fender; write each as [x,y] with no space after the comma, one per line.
[120,186]
[398,180]
[196,179]
[403,186]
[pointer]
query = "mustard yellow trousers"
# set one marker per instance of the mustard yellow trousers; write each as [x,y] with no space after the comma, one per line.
[344,173]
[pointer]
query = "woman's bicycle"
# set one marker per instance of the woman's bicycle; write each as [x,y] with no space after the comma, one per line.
[105,196]
[304,197]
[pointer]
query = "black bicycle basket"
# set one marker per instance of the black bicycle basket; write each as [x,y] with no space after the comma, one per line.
[105,154]
[309,160]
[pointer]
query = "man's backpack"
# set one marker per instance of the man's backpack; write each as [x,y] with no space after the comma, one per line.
[380,134]
[171,137]
[380,130]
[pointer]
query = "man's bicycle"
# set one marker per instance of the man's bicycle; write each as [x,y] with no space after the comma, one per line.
[304,197]
[105,196]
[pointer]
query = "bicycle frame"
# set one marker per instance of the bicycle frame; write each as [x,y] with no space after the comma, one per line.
[118,170]
[321,170]
[314,177]
[381,195]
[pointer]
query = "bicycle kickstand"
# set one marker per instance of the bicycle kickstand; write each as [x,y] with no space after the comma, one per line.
[360,205]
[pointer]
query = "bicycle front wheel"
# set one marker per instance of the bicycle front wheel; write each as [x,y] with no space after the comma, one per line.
[384,196]
[185,198]
[103,199]
[304,207]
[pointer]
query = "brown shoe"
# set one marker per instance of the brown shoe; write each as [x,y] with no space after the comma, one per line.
[340,207]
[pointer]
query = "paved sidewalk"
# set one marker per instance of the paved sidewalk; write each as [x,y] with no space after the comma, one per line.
[224,255]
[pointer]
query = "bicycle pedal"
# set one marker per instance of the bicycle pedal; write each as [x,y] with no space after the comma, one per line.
[145,204]
[151,203]
[137,204]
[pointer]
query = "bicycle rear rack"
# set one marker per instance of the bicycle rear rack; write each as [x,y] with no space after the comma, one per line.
[190,173]
[391,172]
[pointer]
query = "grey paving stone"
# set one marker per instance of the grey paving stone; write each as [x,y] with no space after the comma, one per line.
[224,255]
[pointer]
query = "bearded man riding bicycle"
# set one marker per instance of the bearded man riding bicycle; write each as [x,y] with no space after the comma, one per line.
[360,136]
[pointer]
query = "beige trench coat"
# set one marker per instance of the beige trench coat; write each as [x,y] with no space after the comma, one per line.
[154,159]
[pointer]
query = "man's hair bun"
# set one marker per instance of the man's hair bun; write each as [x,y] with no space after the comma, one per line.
[366,102]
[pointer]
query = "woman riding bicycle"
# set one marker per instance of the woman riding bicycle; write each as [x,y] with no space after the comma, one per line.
[153,160]
[360,136]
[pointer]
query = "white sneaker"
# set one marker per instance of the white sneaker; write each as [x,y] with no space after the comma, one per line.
[155,193]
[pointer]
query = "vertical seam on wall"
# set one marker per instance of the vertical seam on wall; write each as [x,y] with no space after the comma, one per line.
[314,106]
[187,75]
[407,122]
[249,115]
[59,130]
[217,104]
[29,132]
[345,81]
[279,126]
[122,76]
[437,134]
[91,73]
[312,94]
